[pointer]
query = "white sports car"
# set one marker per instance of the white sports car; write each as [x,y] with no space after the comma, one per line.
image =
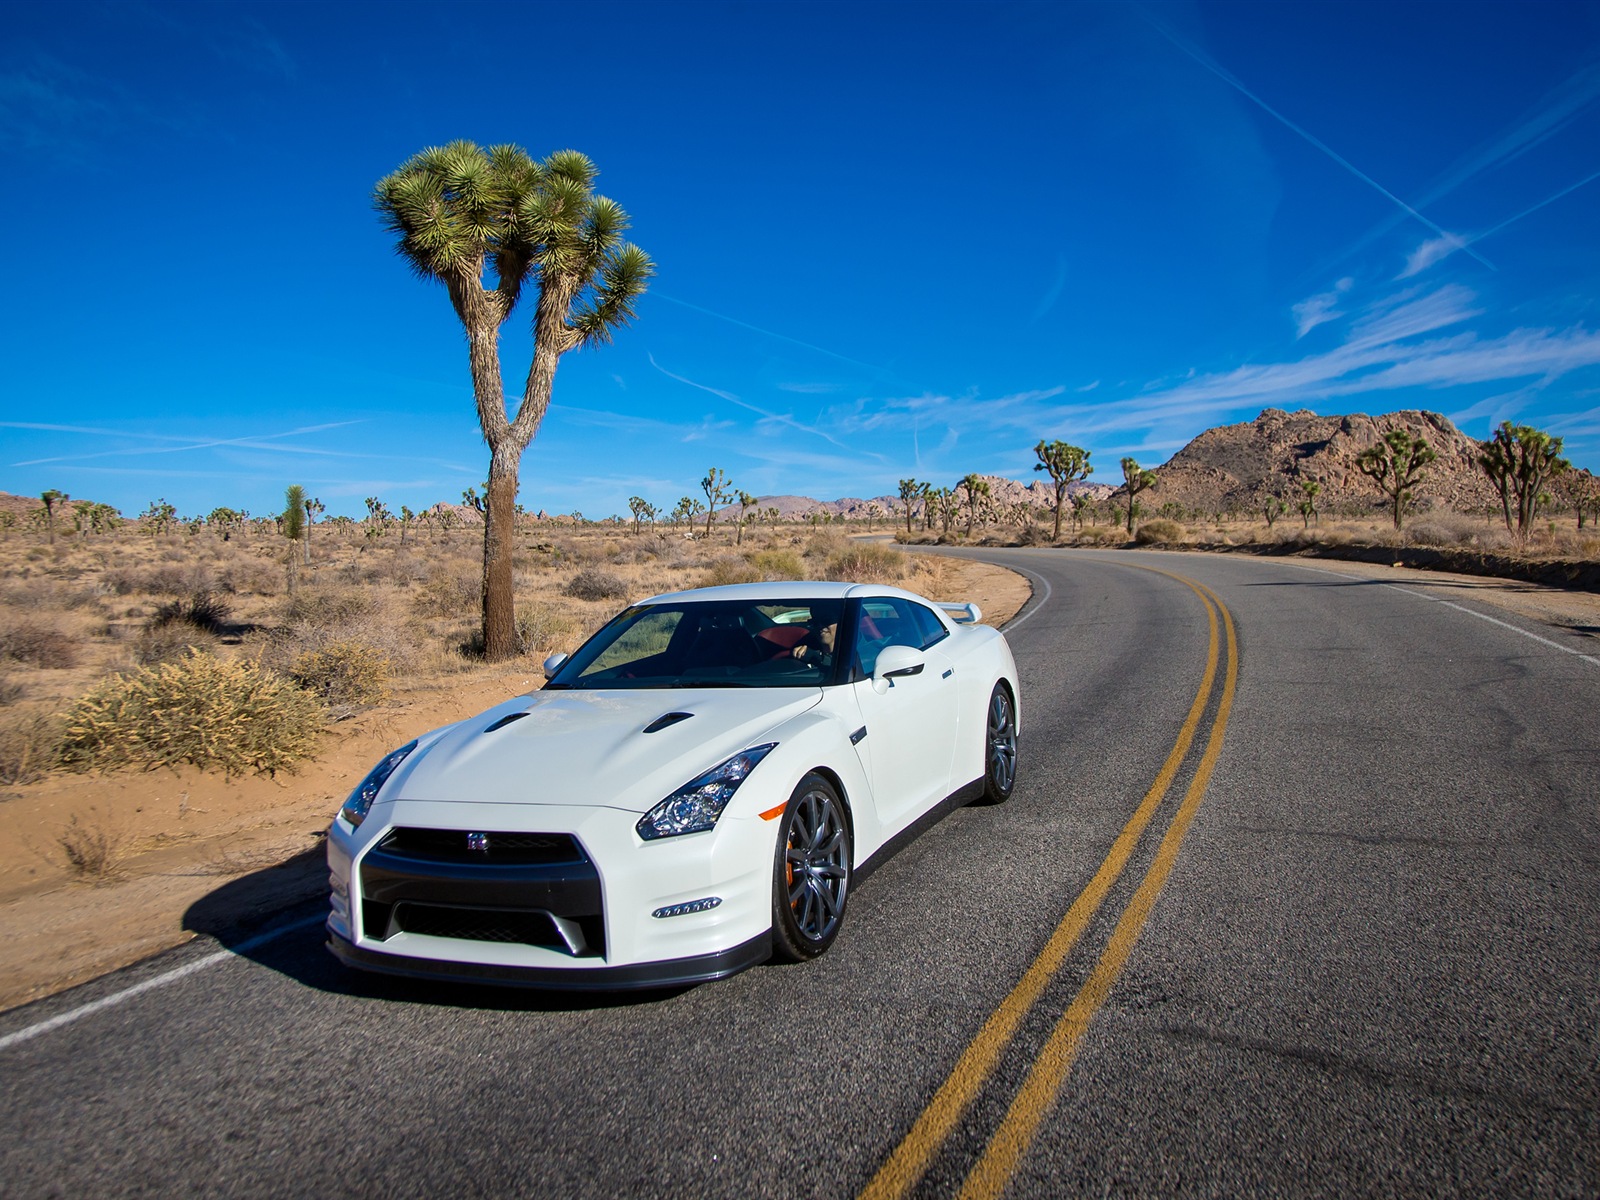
[693,791]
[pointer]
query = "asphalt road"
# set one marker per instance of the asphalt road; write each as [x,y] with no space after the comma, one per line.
[1373,969]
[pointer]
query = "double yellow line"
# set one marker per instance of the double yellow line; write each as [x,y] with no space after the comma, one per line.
[1037,1095]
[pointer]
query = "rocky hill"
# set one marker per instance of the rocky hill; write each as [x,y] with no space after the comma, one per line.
[1240,465]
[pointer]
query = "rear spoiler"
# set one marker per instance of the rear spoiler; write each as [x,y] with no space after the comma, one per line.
[963,614]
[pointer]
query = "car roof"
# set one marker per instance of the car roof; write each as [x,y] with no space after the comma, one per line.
[812,589]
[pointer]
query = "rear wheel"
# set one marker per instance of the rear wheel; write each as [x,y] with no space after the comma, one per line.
[811,872]
[1000,747]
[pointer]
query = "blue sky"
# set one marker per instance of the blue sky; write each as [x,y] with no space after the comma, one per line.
[892,239]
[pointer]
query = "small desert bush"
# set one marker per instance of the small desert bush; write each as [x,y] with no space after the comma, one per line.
[778,564]
[543,627]
[38,646]
[825,544]
[201,710]
[345,674]
[175,579]
[325,608]
[170,641]
[1160,532]
[446,594]
[201,610]
[94,849]
[29,746]
[594,584]
[11,690]
[254,576]
[870,562]
[729,568]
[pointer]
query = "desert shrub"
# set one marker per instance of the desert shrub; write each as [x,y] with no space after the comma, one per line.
[543,627]
[176,579]
[825,544]
[170,641]
[11,690]
[729,568]
[29,746]
[870,562]
[201,710]
[205,611]
[1160,532]
[778,564]
[446,594]
[94,849]
[39,594]
[591,583]
[254,576]
[325,608]
[345,674]
[38,646]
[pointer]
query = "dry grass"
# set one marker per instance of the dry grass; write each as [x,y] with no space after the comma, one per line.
[30,745]
[38,645]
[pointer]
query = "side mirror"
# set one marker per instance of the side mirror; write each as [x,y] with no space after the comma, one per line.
[896,662]
[553,664]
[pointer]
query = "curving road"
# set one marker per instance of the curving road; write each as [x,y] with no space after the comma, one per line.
[1310,911]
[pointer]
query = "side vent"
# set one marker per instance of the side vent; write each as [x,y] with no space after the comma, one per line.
[665,720]
[504,721]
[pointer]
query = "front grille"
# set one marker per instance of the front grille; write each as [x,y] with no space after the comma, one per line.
[450,845]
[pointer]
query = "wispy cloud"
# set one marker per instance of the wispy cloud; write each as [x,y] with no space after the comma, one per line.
[1319,309]
[782,337]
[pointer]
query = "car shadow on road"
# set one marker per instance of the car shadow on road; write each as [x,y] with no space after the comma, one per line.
[273,917]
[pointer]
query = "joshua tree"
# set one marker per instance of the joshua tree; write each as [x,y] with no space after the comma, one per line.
[294,527]
[1396,464]
[641,508]
[1135,479]
[1080,506]
[160,515]
[1066,464]
[974,486]
[406,517]
[682,509]
[1272,508]
[1309,490]
[313,509]
[910,492]
[460,211]
[746,503]
[1520,460]
[715,486]
[1580,489]
[51,498]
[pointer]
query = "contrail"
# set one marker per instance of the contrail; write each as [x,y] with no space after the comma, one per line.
[1233,82]
[782,337]
[1566,191]
[733,399]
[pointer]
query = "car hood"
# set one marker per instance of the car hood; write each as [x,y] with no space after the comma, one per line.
[590,747]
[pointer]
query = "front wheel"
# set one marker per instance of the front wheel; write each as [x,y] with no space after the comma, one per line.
[1000,747]
[811,872]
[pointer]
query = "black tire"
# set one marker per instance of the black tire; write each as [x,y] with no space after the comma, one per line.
[1000,747]
[810,872]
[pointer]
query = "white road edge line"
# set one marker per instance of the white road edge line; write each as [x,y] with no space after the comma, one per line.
[1588,658]
[1043,600]
[172,976]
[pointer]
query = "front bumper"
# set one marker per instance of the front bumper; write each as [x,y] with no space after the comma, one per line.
[699,969]
[586,920]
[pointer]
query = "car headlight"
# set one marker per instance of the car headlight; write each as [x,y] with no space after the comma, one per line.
[696,806]
[355,808]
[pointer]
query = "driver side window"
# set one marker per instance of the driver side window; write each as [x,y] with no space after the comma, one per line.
[883,621]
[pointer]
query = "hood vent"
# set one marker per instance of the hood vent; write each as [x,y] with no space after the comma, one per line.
[504,721]
[665,720]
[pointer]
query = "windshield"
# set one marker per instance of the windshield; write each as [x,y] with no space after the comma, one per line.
[711,643]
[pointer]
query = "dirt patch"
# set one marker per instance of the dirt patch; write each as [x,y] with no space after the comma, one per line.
[175,838]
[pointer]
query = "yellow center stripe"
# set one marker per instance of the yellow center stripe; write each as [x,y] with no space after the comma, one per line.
[910,1159]
[1038,1093]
